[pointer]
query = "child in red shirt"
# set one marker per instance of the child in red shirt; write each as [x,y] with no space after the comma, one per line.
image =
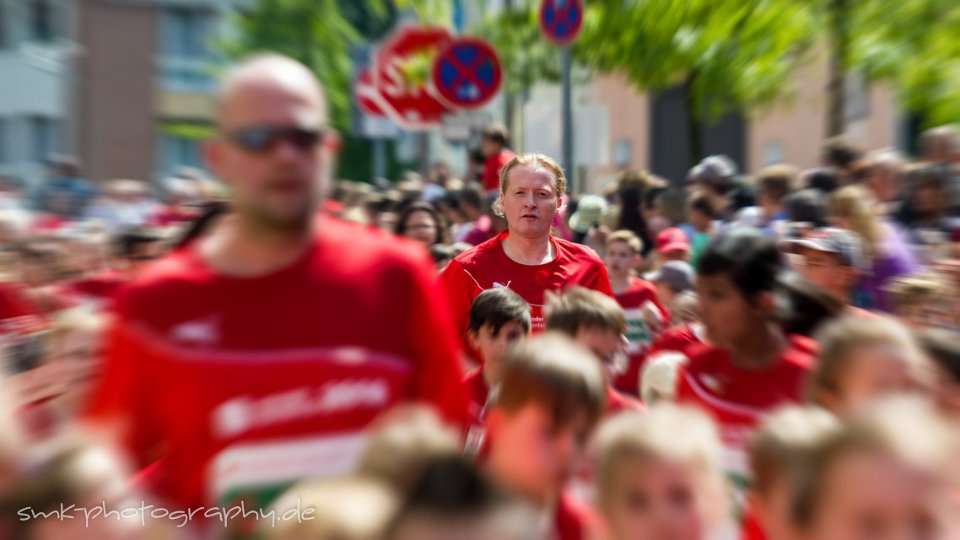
[551,396]
[597,322]
[753,366]
[499,318]
[645,315]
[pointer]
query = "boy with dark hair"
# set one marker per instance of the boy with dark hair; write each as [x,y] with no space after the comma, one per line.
[499,318]
[597,322]
[551,396]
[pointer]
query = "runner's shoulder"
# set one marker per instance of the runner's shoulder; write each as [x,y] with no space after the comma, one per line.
[358,247]
[471,256]
[572,250]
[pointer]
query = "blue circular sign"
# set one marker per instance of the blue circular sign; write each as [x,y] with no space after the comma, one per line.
[560,20]
[467,73]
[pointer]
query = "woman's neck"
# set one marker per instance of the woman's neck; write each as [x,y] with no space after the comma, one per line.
[761,350]
[529,251]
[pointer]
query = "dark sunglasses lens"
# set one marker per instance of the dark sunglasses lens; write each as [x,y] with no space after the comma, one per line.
[256,139]
[304,139]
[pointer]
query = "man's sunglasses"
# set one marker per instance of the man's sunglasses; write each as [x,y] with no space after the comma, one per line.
[265,138]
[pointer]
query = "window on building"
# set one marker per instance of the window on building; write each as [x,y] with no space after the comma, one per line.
[773,152]
[177,152]
[857,91]
[43,137]
[185,45]
[42,26]
[186,33]
[623,153]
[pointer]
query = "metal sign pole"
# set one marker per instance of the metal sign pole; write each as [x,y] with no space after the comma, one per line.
[567,114]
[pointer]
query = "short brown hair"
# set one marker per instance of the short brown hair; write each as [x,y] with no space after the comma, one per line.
[784,438]
[777,180]
[534,161]
[577,308]
[628,237]
[556,373]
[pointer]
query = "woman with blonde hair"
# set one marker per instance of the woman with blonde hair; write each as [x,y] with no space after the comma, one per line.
[886,253]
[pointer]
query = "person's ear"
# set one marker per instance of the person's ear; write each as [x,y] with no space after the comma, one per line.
[473,337]
[213,157]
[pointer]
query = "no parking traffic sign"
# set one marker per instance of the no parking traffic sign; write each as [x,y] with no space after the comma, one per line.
[466,73]
[560,20]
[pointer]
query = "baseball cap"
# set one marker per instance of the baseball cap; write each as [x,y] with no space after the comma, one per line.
[678,275]
[846,244]
[672,239]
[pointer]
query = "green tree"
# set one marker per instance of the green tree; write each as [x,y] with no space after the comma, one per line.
[729,55]
[319,33]
[914,44]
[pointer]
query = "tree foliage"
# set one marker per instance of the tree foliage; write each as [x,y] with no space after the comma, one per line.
[915,44]
[319,33]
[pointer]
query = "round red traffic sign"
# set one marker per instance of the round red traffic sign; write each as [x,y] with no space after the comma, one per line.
[560,20]
[467,73]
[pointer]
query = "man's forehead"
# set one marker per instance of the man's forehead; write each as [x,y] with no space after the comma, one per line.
[531,175]
[267,87]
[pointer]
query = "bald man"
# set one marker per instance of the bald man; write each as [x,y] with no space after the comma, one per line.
[257,355]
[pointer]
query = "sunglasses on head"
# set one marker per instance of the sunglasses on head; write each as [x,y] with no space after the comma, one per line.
[266,138]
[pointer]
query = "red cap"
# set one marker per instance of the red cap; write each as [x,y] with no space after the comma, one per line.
[672,239]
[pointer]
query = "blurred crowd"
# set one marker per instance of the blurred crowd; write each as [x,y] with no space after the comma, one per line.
[762,354]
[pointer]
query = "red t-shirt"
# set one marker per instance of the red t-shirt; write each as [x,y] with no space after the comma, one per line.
[168,216]
[491,169]
[639,334]
[487,266]
[477,392]
[572,520]
[751,528]
[101,288]
[618,402]
[676,339]
[739,399]
[248,384]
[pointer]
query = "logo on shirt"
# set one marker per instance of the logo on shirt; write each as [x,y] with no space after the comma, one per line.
[199,332]
[714,384]
[242,414]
